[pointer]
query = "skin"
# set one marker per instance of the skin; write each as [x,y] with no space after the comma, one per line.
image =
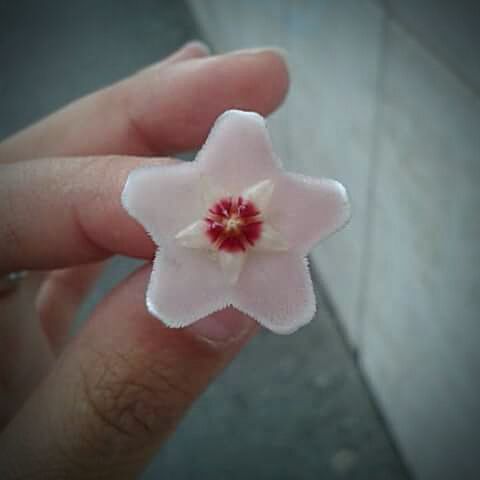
[99,405]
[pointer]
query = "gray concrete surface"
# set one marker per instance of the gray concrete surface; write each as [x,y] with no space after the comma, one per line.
[451,30]
[289,407]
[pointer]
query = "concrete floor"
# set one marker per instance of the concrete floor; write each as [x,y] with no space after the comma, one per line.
[289,407]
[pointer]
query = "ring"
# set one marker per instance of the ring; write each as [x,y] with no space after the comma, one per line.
[11,281]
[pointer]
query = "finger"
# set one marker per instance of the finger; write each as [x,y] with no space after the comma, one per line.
[118,391]
[159,110]
[25,355]
[41,139]
[31,337]
[59,298]
[57,214]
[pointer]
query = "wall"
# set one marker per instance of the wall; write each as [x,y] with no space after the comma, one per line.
[385,98]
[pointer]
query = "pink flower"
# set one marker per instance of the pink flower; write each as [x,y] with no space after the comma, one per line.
[234,229]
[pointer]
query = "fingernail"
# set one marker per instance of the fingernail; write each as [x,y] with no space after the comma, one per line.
[222,327]
[198,44]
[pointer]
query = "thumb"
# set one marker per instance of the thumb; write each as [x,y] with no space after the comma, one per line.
[118,390]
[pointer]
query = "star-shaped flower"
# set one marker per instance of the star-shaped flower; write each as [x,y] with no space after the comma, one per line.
[234,229]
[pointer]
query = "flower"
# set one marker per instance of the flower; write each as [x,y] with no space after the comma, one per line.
[234,229]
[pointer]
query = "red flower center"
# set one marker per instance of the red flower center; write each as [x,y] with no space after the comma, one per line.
[233,224]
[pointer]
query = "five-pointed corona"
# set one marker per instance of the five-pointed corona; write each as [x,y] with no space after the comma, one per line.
[233,226]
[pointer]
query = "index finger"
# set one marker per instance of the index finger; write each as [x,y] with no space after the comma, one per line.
[161,110]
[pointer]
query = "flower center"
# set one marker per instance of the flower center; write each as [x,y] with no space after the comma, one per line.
[233,224]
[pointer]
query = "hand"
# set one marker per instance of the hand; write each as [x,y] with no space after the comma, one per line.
[99,405]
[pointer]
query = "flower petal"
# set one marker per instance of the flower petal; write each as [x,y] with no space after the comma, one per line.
[238,152]
[186,285]
[211,193]
[270,240]
[260,194]
[194,236]
[305,210]
[232,265]
[276,290]
[164,199]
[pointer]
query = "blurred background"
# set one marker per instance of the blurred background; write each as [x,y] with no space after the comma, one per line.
[385,97]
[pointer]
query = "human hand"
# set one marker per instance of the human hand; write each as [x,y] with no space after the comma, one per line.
[100,404]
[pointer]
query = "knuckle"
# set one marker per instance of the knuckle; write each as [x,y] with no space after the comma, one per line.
[125,97]
[130,399]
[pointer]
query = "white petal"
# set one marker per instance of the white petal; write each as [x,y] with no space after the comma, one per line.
[211,193]
[260,194]
[238,151]
[186,285]
[232,265]
[194,236]
[270,240]
[276,290]
[163,198]
[305,210]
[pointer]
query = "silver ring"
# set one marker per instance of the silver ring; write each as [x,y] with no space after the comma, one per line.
[11,281]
